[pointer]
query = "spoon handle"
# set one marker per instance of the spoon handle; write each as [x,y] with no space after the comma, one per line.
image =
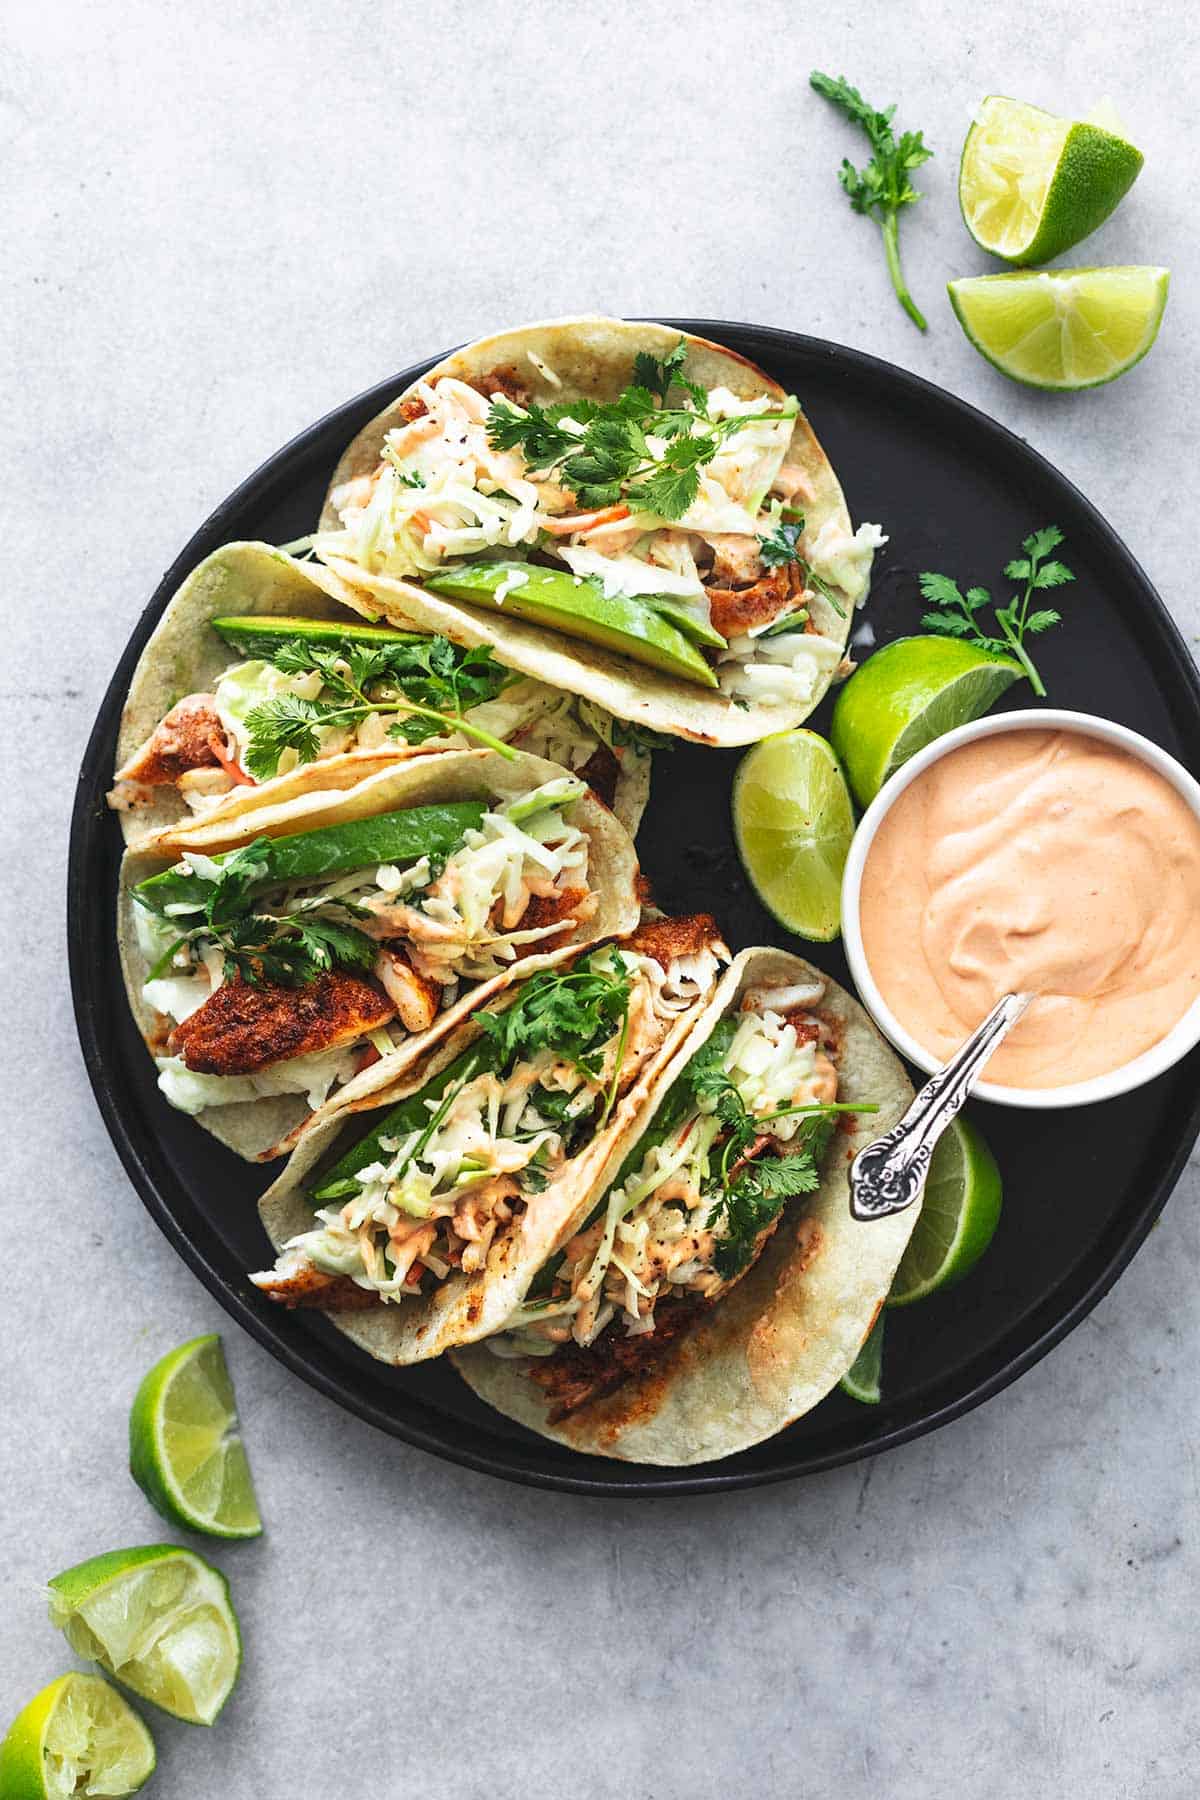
[889,1174]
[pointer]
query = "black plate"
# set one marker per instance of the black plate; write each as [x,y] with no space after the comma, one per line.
[957,492]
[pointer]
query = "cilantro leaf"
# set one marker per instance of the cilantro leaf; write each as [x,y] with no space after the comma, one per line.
[285,723]
[289,952]
[610,459]
[955,614]
[237,874]
[288,949]
[1039,544]
[1052,574]
[326,943]
[359,678]
[574,1014]
[659,377]
[947,624]
[669,491]
[781,546]
[884,186]
[752,1202]
[534,430]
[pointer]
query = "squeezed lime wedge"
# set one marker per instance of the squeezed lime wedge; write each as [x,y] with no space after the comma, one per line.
[1032,185]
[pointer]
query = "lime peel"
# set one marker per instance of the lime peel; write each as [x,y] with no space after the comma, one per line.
[863,1380]
[907,694]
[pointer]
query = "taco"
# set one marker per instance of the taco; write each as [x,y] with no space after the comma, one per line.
[719,1288]
[632,514]
[261,682]
[425,1230]
[310,950]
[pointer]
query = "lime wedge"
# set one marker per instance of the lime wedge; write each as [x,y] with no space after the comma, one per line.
[1031,184]
[905,696]
[863,1379]
[959,1216]
[78,1736]
[158,1618]
[793,822]
[184,1450]
[1062,328]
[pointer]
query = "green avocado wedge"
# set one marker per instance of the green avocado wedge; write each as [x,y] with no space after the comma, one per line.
[258,638]
[578,605]
[341,1180]
[686,619]
[401,837]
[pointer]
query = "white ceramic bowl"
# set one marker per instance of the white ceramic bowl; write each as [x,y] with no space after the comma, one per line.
[1184,1035]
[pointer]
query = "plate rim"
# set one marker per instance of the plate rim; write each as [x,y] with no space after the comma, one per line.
[310,1364]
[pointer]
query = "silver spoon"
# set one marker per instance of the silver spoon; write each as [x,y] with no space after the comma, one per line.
[889,1174]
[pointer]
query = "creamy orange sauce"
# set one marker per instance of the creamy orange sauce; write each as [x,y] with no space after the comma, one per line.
[1046,862]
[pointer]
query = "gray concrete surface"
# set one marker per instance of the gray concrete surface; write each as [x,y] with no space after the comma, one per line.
[218,222]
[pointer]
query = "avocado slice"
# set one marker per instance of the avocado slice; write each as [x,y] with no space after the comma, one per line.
[341,1179]
[694,627]
[258,637]
[578,605]
[399,837]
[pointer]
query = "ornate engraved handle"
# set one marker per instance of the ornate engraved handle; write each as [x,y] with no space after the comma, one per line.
[889,1174]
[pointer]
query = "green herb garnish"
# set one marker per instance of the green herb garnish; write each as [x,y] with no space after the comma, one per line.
[609,461]
[288,949]
[881,188]
[750,1200]
[956,614]
[781,546]
[428,686]
[570,1014]
[623,735]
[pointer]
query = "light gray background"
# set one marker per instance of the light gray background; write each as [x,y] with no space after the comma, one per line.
[219,221]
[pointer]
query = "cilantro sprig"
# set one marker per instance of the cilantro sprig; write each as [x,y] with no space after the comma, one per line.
[781,546]
[600,450]
[574,1014]
[291,951]
[748,1201]
[883,187]
[426,686]
[288,949]
[955,614]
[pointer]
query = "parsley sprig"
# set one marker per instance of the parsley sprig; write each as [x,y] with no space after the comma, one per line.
[288,949]
[955,614]
[428,686]
[881,188]
[610,461]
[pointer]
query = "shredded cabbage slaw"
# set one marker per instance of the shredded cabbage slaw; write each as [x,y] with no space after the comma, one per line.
[442,494]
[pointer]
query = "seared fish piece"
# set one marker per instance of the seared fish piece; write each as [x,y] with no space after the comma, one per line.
[186,739]
[246,1026]
[297,1282]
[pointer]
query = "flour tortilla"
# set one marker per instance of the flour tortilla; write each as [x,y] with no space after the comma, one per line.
[185,656]
[593,357]
[464,1307]
[785,1335]
[267,1127]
